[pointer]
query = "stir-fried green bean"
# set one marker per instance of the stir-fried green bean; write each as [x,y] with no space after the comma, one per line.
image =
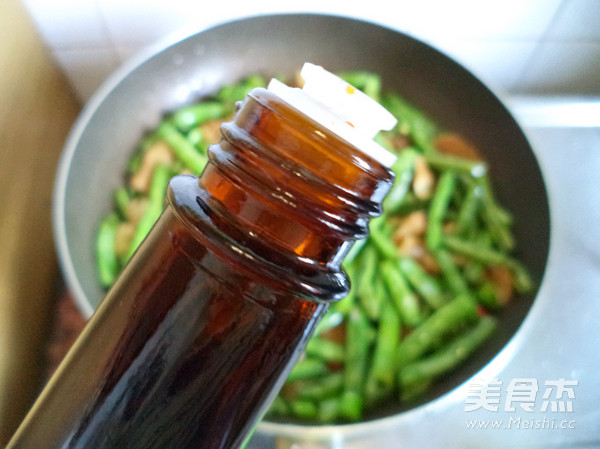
[426,285]
[381,375]
[405,299]
[191,116]
[411,122]
[232,93]
[379,236]
[278,407]
[307,369]
[368,267]
[327,350]
[359,337]
[404,170]
[108,265]
[183,148]
[438,208]
[303,409]
[448,162]
[322,387]
[330,409]
[477,251]
[122,199]
[467,214]
[449,356]
[442,323]
[454,278]
[158,189]
[428,266]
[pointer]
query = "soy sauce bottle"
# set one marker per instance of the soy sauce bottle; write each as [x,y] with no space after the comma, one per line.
[200,330]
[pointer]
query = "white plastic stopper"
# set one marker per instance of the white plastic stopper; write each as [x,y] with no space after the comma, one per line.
[341,108]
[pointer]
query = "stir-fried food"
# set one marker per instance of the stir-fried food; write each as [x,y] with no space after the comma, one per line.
[426,283]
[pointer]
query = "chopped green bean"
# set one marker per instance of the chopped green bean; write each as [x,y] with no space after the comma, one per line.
[474,272]
[442,161]
[236,92]
[380,236]
[303,409]
[375,392]
[426,285]
[501,214]
[409,204]
[108,264]
[307,369]
[381,375]
[438,207]
[523,282]
[404,170]
[196,138]
[443,322]
[467,215]
[158,188]
[478,252]
[411,121]
[368,268]
[351,406]
[483,238]
[278,407]
[358,342]
[191,116]
[486,295]
[330,409]
[499,231]
[371,301]
[183,148]
[405,299]
[329,385]
[327,350]
[449,356]
[452,274]
[411,391]
[122,199]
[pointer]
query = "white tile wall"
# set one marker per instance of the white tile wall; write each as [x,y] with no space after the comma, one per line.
[578,20]
[508,20]
[566,67]
[517,46]
[87,68]
[69,24]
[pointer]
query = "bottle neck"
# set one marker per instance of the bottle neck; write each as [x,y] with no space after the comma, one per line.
[290,193]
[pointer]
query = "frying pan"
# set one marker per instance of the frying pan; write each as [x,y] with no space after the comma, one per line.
[134,99]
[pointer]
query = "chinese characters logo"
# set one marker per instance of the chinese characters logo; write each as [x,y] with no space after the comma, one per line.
[522,394]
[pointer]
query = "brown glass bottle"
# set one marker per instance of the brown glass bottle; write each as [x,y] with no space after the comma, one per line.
[205,322]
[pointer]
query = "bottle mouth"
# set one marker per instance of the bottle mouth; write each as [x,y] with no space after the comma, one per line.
[348,186]
[341,108]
